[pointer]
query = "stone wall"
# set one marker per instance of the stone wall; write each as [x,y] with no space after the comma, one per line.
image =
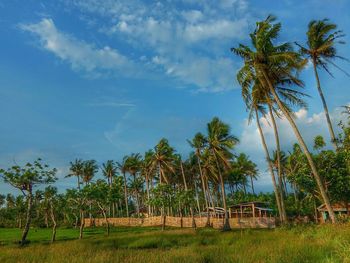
[248,222]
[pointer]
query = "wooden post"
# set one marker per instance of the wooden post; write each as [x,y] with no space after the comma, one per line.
[229,210]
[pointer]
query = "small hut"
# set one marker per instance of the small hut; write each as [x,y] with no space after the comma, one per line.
[250,209]
[340,209]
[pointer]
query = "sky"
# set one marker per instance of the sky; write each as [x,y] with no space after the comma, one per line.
[100,79]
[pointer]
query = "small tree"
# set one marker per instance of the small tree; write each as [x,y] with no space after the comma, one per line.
[25,178]
[100,193]
[50,200]
[161,198]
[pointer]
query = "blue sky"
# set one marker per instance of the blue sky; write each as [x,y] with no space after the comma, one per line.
[101,79]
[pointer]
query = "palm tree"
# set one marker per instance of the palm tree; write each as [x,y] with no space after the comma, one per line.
[246,167]
[133,166]
[220,144]
[109,170]
[199,143]
[163,159]
[347,111]
[270,63]
[90,168]
[256,98]
[123,167]
[147,171]
[76,169]
[322,36]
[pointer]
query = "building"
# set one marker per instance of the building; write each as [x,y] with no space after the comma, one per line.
[250,209]
[340,209]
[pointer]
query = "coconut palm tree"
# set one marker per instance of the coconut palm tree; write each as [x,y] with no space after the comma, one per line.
[109,170]
[76,169]
[133,167]
[90,168]
[123,167]
[322,37]
[256,99]
[147,171]
[220,143]
[246,167]
[270,62]
[163,159]
[198,143]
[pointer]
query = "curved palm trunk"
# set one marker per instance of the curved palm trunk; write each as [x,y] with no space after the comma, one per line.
[279,169]
[268,160]
[28,217]
[226,226]
[325,107]
[204,190]
[126,196]
[306,151]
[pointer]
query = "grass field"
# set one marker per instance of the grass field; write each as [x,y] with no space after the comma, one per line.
[301,244]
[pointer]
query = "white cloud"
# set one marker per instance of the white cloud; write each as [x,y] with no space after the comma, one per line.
[79,54]
[112,104]
[192,38]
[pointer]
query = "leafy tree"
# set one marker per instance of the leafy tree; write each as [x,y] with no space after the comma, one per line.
[25,178]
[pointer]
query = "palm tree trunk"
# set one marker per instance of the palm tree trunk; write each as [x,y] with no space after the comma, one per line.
[325,107]
[226,226]
[191,208]
[279,169]
[252,184]
[126,195]
[78,182]
[305,149]
[204,190]
[148,195]
[268,159]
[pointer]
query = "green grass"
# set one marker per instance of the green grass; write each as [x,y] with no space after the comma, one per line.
[301,244]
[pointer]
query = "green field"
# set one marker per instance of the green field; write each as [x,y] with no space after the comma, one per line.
[301,244]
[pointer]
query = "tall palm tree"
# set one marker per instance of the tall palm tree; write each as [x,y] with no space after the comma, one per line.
[246,167]
[270,62]
[220,144]
[90,168]
[76,169]
[163,159]
[198,143]
[133,167]
[109,170]
[256,98]
[123,167]
[322,36]
[147,171]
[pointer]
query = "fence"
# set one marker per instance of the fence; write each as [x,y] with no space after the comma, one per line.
[247,222]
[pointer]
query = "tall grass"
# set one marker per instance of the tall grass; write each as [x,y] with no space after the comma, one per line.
[301,244]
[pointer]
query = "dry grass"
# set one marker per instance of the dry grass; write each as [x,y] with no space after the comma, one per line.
[301,244]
